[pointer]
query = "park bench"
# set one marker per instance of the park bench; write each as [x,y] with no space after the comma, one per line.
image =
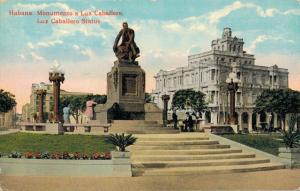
[87,126]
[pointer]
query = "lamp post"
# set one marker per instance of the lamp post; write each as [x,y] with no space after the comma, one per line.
[57,76]
[232,86]
[41,93]
[165,99]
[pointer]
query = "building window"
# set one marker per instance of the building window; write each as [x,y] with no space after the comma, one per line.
[238,98]
[238,74]
[213,73]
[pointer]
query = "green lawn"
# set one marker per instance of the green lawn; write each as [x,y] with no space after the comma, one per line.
[23,142]
[266,143]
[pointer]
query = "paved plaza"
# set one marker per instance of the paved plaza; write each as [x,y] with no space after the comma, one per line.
[268,180]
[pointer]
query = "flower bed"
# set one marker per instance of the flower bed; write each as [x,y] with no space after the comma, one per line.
[61,155]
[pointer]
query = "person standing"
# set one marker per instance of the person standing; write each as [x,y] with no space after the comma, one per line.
[89,111]
[175,119]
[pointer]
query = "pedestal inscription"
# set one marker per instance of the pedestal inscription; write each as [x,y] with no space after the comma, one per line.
[129,84]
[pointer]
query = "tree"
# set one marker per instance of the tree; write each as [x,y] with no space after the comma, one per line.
[7,101]
[77,103]
[196,98]
[280,101]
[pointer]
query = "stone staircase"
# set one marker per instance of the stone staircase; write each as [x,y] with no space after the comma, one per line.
[140,127]
[191,154]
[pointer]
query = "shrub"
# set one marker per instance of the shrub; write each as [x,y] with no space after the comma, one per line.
[15,154]
[96,156]
[65,155]
[85,156]
[107,155]
[291,137]
[45,155]
[121,141]
[78,155]
[71,156]
[56,155]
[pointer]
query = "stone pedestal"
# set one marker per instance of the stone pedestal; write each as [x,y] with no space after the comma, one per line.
[125,93]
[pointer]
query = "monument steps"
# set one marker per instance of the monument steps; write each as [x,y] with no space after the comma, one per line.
[179,171]
[124,122]
[191,163]
[181,147]
[186,152]
[175,143]
[140,127]
[191,154]
[140,158]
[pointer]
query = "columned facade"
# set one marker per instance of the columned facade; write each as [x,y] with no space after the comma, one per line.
[207,72]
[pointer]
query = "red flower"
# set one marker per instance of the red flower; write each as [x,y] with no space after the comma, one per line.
[37,155]
[28,155]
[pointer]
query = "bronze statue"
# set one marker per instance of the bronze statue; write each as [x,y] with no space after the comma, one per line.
[127,50]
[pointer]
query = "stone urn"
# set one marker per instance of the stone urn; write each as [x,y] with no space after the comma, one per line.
[120,154]
[291,156]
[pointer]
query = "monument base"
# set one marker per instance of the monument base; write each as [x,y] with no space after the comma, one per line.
[126,95]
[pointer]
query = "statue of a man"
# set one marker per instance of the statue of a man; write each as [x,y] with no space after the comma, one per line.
[127,50]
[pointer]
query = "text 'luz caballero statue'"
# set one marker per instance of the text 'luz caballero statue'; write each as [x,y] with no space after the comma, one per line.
[127,50]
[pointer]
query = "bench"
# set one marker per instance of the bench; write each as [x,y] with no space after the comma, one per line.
[87,126]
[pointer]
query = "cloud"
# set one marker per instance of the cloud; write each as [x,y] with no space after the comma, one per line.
[292,11]
[172,26]
[87,52]
[30,45]
[262,38]
[49,43]
[215,16]
[76,47]
[36,57]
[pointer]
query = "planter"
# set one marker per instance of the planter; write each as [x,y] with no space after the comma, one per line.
[119,154]
[49,167]
[291,156]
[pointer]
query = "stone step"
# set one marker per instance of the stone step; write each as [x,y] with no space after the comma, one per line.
[177,143]
[143,158]
[181,147]
[153,131]
[173,139]
[184,152]
[195,163]
[137,125]
[133,122]
[179,135]
[207,169]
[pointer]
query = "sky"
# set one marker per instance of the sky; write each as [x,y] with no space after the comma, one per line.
[166,31]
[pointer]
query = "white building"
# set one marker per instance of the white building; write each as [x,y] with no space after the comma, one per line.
[207,72]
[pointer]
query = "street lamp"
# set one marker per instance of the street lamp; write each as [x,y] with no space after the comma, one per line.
[41,93]
[232,86]
[57,76]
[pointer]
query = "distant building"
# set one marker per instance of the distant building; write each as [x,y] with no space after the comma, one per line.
[31,109]
[207,72]
[8,119]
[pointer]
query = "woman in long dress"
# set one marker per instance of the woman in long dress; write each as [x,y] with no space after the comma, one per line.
[89,111]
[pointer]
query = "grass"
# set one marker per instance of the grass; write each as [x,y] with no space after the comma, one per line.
[266,143]
[26,142]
